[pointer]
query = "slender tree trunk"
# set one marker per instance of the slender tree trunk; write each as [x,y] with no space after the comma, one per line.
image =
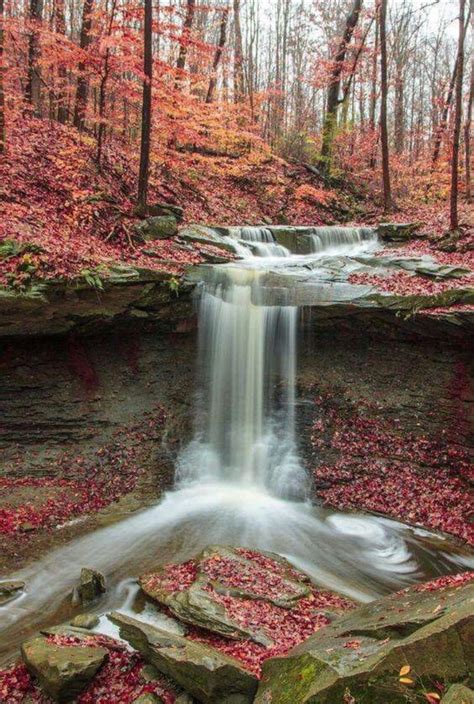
[373,97]
[33,83]
[447,104]
[457,121]
[3,135]
[399,111]
[82,91]
[467,135]
[387,191]
[218,55]
[330,121]
[146,108]
[239,77]
[103,90]
[60,27]
[187,25]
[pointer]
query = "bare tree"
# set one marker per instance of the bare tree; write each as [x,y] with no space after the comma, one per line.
[146,108]
[330,121]
[467,134]
[184,41]
[457,121]
[239,76]
[33,82]
[218,55]
[82,90]
[387,191]
[60,26]
[2,74]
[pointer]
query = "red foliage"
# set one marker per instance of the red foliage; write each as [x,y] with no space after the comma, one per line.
[403,284]
[379,469]
[98,481]
[118,680]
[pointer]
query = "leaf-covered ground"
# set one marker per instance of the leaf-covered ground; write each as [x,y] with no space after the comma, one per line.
[412,477]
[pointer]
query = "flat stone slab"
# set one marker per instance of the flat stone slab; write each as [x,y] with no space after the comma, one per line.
[205,673]
[194,591]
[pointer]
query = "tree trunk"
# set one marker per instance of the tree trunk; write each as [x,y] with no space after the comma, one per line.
[457,121]
[82,91]
[146,109]
[373,97]
[387,191]
[449,97]
[239,77]
[61,29]
[3,135]
[183,48]
[103,89]
[33,83]
[467,135]
[399,111]
[330,120]
[218,55]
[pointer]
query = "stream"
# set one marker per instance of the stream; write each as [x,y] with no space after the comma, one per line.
[240,481]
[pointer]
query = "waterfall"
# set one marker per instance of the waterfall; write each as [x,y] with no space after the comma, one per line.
[261,242]
[245,418]
[327,239]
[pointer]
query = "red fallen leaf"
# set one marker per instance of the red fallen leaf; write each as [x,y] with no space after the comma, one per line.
[353,644]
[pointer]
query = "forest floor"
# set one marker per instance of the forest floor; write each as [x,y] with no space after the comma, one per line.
[67,219]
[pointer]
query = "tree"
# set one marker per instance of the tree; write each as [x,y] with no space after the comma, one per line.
[82,90]
[2,89]
[61,29]
[457,121]
[33,82]
[146,108]
[387,191]
[330,121]
[184,41]
[103,87]
[467,134]
[239,78]
[218,55]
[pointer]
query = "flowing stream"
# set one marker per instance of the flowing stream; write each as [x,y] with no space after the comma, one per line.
[240,481]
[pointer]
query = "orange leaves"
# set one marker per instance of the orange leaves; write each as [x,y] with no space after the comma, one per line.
[314,195]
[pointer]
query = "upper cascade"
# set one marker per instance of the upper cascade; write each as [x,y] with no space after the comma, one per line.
[261,242]
[332,237]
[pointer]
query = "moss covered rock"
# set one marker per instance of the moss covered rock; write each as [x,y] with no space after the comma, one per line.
[63,671]
[361,654]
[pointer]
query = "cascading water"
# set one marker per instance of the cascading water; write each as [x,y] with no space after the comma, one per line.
[245,423]
[240,480]
[261,242]
[332,239]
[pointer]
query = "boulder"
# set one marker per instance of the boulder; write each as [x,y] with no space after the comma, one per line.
[458,694]
[361,654]
[10,590]
[90,588]
[166,209]
[202,671]
[200,603]
[63,671]
[218,237]
[157,227]
[398,231]
[86,621]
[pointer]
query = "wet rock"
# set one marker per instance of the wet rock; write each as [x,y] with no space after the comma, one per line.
[10,590]
[148,698]
[218,237]
[184,699]
[86,621]
[199,603]
[202,671]
[362,653]
[90,588]
[157,227]
[63,671]
[398,231]
[166,209]
[458,694]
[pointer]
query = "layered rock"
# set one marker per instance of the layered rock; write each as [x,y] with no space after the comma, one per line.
[205,673]
[366,653]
